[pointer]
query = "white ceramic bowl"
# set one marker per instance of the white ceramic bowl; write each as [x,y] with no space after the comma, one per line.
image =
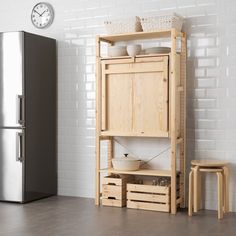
[125,163]
[134,49]
[117,51]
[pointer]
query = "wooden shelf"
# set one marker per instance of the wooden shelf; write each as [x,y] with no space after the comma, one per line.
[121,134]
[147,172]
[137,56]
[138,36]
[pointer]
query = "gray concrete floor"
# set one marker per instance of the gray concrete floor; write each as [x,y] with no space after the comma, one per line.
[68,216]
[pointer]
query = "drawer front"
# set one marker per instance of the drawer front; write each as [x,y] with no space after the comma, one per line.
[135,97]
[111,191]
[114,202]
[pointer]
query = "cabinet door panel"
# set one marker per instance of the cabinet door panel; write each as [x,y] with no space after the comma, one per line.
[150,103]
[119,103]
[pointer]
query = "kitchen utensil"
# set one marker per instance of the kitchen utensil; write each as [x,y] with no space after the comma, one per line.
[125,163]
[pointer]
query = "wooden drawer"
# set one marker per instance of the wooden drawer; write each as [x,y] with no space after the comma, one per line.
[114,202]
[111,180]
[148,197]
[114,190]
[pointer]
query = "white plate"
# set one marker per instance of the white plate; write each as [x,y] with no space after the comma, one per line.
[156,50]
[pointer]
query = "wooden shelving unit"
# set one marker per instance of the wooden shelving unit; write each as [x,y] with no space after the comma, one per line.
[168,122]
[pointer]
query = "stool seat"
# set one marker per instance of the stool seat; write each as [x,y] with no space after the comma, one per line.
[209,163]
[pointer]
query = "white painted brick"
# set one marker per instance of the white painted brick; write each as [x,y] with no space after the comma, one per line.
[205,103]
[212,51]
[205,83]
[205,42]
[206,62]
[205,124]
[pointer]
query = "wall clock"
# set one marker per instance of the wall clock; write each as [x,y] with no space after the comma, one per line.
[42,15]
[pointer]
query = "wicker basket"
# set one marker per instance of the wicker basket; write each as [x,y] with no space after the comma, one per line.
[121,26]
[156,23]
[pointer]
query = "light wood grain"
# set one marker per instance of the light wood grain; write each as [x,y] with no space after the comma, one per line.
[209,163]
[173,133]
[150,103]
[119,103]
[147,172]
[190,198]
[148,189]
[114,202]
[220,192]
[148,206]
[112,191]
[148,197]
[138,35]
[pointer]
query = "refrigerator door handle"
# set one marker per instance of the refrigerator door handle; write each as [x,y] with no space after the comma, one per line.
[20,146]
[20,110]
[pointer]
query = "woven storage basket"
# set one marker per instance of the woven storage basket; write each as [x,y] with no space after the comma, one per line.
[156,23]
[121,26]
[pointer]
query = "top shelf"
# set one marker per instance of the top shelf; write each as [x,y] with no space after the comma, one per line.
[140,35]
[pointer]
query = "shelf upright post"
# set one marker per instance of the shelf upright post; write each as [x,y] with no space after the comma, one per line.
[173,135]
[183,58]
[98,96]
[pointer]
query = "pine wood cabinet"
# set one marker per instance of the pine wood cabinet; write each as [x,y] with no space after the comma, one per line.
[135,96]
[143,96]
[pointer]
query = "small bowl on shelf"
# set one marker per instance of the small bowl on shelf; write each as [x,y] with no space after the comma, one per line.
[117,51]
[134,49]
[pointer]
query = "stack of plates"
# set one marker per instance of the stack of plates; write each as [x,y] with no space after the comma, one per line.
[157,50]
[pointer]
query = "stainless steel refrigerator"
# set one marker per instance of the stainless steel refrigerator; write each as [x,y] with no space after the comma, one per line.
[28,117]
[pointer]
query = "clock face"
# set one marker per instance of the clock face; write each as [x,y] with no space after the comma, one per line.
[42,15]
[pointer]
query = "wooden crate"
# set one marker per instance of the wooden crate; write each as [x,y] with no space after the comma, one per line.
[148,197]
[114,190]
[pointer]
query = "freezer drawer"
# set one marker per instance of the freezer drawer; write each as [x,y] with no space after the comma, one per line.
[11,79]
[11,164]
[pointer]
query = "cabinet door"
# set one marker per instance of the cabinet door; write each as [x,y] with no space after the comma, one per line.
[150,104]
[119,103]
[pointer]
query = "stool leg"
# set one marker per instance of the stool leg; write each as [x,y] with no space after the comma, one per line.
[195,186]
[199,191]
[190,194]
[226,188]
[220,193]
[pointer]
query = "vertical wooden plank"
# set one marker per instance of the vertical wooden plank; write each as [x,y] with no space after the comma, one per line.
[226,188]
[166,92]
[98,128]
[190,198]
[173,120]
[195,188]
[104,96]
[110,152]
[220,191]
[199,191]
[183,61]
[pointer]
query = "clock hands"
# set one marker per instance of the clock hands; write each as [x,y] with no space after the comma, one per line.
[42,13]
[37,12]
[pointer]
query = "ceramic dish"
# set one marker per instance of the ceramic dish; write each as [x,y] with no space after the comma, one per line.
[157,50]
[125,163]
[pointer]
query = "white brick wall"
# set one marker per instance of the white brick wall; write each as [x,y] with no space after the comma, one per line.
[211,123]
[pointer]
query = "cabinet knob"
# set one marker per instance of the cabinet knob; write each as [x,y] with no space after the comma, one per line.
[164,79]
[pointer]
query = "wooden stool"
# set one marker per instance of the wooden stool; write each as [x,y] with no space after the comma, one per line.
[218,167]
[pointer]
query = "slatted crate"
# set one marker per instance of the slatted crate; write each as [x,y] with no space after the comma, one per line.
[114,190]
[148,197]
